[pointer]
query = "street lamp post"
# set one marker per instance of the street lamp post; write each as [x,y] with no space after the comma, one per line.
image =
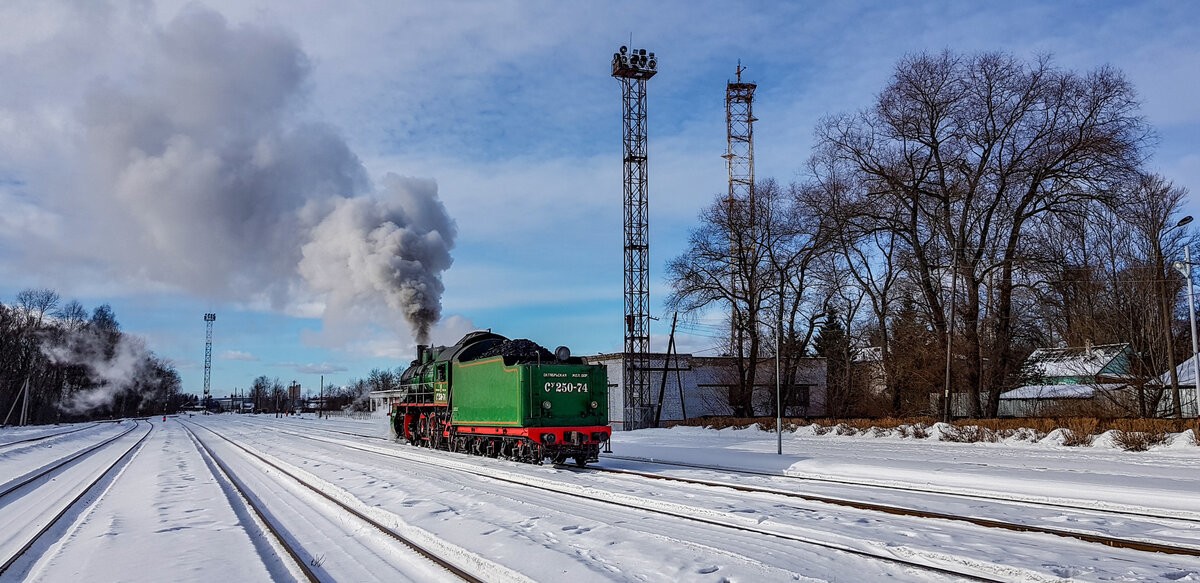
[948,413]
[778,380]
[1186,269]
[1177,406]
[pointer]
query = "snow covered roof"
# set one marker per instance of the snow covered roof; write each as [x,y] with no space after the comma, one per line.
[868,354]
[1059,391]
[1185,371]
[1073,361]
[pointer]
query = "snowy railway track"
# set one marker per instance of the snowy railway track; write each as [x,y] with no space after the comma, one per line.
[64,487]
[295,533]
[9,444]
[926,489]
[1110,541]
[19,482]
[229,478]
[1173,523]
[969,571]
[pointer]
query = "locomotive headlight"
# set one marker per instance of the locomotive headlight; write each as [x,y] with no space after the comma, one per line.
[546,405]
[594,404]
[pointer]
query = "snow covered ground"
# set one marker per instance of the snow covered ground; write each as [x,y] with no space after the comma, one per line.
[168,512]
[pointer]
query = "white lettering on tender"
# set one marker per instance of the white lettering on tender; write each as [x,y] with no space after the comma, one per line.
[556,387]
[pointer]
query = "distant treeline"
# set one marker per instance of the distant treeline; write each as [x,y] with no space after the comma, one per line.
[58,363]
[270,395]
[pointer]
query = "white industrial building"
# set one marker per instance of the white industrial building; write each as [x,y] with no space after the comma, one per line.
[1189,392]
[698,386]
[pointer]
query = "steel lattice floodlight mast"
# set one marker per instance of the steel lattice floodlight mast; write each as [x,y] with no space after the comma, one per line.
[632,68]
[739,158]
[208,324]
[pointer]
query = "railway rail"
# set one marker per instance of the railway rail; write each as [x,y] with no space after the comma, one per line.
[1115,542]
[16,547]
[227,476]
[964,573]
[1118,520]
[15,442]
[272,519]
[924,489]
[892,509]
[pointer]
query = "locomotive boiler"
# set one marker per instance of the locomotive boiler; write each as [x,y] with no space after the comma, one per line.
[488,395]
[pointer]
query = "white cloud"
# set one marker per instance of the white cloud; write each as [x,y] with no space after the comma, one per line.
[238,355]
[322,368]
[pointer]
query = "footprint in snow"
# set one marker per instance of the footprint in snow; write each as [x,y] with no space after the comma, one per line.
[1182,575]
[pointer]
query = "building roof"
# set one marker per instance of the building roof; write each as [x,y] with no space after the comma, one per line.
[868,354]
[1185,372]
[1073,361]
[1059,391]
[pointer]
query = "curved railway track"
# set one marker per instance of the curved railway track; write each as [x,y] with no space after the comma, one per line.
[17,549]
[293,549]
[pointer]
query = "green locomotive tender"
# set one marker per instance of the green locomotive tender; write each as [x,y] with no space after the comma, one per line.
[488,395]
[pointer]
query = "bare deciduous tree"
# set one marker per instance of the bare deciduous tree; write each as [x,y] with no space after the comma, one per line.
[965,153]
[756,261]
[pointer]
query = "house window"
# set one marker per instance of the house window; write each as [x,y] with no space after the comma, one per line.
[801,395]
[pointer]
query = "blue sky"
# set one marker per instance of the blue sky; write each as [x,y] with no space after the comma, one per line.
[507,109]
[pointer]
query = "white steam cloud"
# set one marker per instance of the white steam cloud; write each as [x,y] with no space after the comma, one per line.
[195,170]
[395,245]
[113,376]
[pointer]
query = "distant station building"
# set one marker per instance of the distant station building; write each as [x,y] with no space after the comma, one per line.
[385,399]
[234,403]
[698,386]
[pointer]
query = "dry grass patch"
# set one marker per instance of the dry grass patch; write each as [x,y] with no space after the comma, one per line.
[1139,434]
[969,434]
[1080,431]
[1131,434]
[915,431]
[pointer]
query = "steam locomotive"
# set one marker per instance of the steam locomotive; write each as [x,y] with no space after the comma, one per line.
[488,395]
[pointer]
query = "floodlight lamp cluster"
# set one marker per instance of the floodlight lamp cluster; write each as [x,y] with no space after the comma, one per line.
[210,317]
[635,63]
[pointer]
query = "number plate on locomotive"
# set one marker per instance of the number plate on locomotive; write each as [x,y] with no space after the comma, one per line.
[560,387]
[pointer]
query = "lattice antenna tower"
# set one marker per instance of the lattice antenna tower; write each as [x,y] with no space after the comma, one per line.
[208,325]
[632,68]
[739,159]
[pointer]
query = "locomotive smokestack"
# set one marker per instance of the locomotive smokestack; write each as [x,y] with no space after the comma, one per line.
[421,350]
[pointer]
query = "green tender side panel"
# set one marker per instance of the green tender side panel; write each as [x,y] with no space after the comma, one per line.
[570,390]
[485,392]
